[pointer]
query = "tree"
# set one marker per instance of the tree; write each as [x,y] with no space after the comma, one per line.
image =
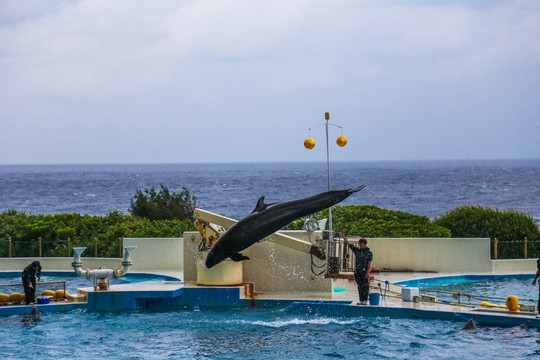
[163,205]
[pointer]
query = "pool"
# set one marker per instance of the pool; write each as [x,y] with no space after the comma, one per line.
[73,281]
[495,288]
[253,333]
[283,331]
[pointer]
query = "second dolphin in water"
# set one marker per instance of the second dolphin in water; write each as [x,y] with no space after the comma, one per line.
[266,219]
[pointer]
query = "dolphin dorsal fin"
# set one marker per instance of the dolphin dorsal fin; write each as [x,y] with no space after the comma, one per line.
[260,205]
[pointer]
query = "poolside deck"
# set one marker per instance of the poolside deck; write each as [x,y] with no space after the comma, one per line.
[164,294]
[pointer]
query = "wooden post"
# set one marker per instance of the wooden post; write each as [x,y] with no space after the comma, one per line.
[69,246]
[120,247]
[95,246]
[9,247]
[40,253]
[525,248]
[495,248]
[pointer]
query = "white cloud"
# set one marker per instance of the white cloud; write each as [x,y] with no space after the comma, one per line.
[228,69]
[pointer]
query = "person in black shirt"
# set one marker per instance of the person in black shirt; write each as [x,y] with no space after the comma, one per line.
[29,280]
[534,283]
[362,268]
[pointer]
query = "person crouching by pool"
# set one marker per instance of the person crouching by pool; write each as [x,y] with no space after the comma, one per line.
[29,280]
[534,282]
[362,267]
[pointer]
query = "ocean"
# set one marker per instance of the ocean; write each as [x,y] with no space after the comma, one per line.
[429,188]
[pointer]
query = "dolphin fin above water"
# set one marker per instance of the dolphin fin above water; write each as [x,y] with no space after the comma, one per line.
[266,219]
[525,326]
[34,316]
[471,324]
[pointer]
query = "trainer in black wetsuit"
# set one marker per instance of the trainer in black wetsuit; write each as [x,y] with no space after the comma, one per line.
[29,280]
[534,283]
[362,268]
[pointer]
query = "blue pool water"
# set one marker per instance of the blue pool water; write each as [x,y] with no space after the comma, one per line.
[72,281]
[254,333]
[287,332]
[488,286]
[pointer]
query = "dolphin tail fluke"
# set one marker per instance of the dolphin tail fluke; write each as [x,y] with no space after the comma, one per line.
[238,257]
[353,190]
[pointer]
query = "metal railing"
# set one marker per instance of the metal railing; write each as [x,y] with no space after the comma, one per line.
[63,282]
[516,249]
[57,248]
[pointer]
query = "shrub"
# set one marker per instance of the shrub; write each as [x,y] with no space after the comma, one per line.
[510,227]
[371,221]
[25,230]
[163,205]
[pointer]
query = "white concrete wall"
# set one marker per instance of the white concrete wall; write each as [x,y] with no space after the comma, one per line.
[518,266]
[277,268]
[156,253]
[431,254]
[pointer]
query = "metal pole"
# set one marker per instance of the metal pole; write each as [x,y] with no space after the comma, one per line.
[331,233]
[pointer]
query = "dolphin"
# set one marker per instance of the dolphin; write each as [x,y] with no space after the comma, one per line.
[266,219]
[525,326]
[471,324]
[34,316]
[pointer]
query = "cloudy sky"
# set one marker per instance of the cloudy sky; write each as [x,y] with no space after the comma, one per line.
[100,81]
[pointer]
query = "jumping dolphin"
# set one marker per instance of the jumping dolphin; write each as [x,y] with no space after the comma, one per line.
[471,324]
[266,219]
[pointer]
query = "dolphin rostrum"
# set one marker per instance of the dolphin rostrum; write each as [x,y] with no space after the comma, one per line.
[266,219]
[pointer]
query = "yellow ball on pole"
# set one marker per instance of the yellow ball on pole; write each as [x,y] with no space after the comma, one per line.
[341,141]
[309,143]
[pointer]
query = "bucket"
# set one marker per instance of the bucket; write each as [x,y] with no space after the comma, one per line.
[43,300]
[374,298]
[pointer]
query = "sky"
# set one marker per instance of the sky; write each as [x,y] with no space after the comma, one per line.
[213,81]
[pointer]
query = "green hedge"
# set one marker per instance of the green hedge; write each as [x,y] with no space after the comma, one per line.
[25,229]
[372,221]
[510,227]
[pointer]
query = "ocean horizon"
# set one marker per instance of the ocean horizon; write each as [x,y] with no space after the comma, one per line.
[422,187]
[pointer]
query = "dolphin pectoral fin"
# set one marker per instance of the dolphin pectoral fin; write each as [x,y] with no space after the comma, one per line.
[238,257]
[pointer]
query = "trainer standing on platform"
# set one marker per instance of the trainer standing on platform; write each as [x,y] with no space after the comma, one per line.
[29,280]
[534,283]
[362,267]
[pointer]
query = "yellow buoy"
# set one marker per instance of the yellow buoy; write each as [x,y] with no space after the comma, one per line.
[485,304]
[309,143]
[59,294]
[341,141]
[16,297]
[512,303]
[48,293]
[4,298]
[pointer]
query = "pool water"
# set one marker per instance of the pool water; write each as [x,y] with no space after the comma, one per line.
[73,282]
[260,333]
[494,287]
[253,333]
